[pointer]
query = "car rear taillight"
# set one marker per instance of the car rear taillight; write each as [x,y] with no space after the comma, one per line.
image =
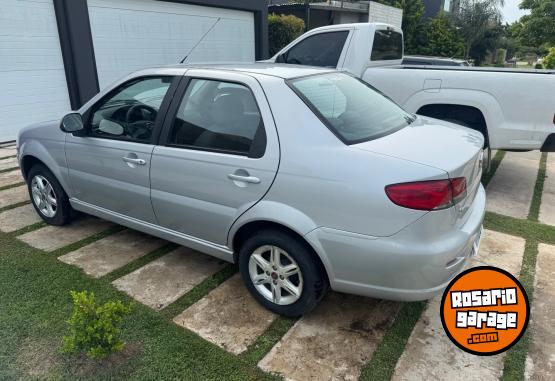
[428,195]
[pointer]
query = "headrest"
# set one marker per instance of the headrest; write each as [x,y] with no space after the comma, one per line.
[227,109]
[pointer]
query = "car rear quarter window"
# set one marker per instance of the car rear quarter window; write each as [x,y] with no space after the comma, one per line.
[351,109]
[388,45]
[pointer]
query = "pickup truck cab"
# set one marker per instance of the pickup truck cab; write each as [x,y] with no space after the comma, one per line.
[513,109]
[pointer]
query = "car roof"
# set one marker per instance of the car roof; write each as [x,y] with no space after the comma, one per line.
[284,71]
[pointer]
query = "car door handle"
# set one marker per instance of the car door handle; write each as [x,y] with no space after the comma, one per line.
[245,179]
[135,161]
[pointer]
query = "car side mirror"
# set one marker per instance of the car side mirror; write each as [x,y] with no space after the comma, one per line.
[72,122]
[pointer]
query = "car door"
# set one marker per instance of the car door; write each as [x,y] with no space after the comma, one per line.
[218,155]
[109,163]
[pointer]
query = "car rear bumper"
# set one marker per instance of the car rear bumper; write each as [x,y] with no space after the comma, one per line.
[415,264]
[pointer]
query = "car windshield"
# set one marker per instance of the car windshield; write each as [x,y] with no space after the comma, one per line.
[352,109]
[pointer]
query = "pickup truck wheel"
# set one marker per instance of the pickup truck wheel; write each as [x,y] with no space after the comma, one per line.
[48,196]
[486,161]
[281,273]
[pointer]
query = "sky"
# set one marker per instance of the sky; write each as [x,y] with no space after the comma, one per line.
[511,12]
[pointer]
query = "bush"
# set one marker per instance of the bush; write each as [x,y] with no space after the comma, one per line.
[538,66]
[94,329]
[282,29]
[549,60]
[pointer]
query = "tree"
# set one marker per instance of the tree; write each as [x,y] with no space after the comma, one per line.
[282,29]
[441,38]
[538,28]
[549,60]
[475,18]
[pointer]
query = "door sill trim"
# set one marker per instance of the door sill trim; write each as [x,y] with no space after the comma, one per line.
[215,250]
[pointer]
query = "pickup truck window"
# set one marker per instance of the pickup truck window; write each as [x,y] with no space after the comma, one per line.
[322,49]
[354,111]
[388,45]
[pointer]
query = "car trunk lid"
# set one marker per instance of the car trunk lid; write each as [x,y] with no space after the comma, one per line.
[452,148]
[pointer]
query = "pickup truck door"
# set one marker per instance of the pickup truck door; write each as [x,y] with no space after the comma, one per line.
[218,155]
[325,49]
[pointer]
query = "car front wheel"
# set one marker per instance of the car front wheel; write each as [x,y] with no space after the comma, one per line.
[282,273]
[48,196]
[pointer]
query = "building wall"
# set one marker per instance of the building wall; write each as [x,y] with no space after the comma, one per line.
[74,30]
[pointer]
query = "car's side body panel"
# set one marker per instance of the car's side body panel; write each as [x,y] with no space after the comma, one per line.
[191,189]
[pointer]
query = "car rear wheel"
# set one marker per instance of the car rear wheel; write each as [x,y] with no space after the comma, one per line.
[281,273]
[48,197]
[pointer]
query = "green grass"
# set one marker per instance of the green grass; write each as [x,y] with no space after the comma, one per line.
[538,189]
[383,362]
[34,295]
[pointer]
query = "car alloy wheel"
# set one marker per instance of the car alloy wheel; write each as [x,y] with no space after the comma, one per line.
[44,196]
[275,275]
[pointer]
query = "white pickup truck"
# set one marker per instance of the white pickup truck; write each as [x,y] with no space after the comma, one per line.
[514,109]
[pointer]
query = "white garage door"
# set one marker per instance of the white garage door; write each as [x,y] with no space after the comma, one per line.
[33,86]
[133,34]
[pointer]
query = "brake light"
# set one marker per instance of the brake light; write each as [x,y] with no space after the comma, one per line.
[428,195]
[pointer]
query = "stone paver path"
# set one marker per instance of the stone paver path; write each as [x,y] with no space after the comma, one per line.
[108,254]
[18,218]
[334,341]
[13,196]
[430,355]
[512,187]
[10,178]
[547,207]
[7,151]
[8,163]
[51,238]
[540,364]
[164,280]
[228,317]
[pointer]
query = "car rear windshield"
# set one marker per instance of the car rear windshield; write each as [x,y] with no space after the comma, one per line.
[350,108]
[388,45]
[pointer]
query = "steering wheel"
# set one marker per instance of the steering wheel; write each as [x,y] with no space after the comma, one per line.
[138,107]
[139,129]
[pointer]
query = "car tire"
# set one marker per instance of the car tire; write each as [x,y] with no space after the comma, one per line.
[48,197]
[297,269]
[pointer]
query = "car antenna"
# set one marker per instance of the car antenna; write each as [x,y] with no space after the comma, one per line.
[199,41]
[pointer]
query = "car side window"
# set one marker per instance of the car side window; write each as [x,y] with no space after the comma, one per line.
[219,116]
[130,111]
[322,49]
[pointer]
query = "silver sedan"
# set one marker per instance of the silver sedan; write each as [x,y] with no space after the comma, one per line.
[306,178]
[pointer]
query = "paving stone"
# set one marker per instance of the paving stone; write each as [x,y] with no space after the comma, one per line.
[13,196]
[540,363]
[51,238]
[430,354]
[8,163]
[110,253]
[18,218]
[512,187]
[8,151]
[10,178]
[164,280]
[334,341]
[547,207]
[228,317]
